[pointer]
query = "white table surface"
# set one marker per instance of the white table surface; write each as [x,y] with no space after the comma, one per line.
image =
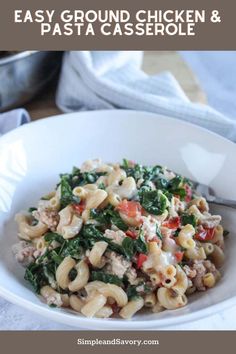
[13,317]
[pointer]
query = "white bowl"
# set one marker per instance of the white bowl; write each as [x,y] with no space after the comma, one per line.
[32,156]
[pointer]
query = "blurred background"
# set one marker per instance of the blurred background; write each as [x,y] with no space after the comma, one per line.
[29,79]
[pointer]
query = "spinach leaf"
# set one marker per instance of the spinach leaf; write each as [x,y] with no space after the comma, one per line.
[140,244]
[176,186]
[91,235]
[31,209]
[56,257]
[67,196]
[133,292]
[106,278]
[158,233]
[35,276]
[53,236]
[101,216]
[131,247]
[107,217]
[117,221]
[154,202]
[72,248]
[128,245]
[188,219]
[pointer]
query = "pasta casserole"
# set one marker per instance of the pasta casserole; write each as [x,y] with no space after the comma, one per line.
[114,239]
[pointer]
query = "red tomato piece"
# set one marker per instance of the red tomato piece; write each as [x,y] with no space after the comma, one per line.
[115,308]
[141,259]
[131,234]
[179,256]
[172,223]
[189,193]
[130,208]
[79,208]
[205,233]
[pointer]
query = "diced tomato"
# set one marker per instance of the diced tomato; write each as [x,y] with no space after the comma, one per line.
[189,193]
[179,256]
[131,234]
[172,223]
[115,307]
[141,259]
[79,208]
[130,208]
[205,233]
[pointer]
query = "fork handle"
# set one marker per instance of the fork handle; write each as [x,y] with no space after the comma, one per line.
[222,201]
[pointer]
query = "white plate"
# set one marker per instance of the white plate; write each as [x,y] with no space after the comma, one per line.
[32,156]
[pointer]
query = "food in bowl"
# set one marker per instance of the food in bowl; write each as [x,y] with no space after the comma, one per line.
[112,239]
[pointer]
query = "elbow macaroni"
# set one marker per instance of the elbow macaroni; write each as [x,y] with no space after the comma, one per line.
[111,241]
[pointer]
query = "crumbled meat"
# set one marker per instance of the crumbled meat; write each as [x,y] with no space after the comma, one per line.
[210,267]
[118,265]
[47,217]
[115,236]
[200,272]
[191,273]
[24,252]
[149,227]
[210,221]
[131,275]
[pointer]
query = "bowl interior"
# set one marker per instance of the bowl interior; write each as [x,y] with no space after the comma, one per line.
[32,157]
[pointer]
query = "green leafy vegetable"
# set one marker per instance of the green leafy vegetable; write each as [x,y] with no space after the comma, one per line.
[140,244]
[35,276]
[176,186]
[53,236]
[67,196]
[107,217]
[31,209]
[72,248]
[106,278]
[91,235]
[131,246]
[154,202]
[133,291]
[188,219]
[158,233]
[128,245]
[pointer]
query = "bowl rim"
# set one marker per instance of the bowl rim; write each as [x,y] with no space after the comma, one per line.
[111,324]
[17,56]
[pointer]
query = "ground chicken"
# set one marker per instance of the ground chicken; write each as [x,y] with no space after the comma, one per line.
[149,227]
[115,236]
[24,252]
[47,217]
[210,221]
[200,272]
[118,265]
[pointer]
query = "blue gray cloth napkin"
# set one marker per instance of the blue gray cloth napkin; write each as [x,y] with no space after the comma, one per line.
[114,79]
[13,119]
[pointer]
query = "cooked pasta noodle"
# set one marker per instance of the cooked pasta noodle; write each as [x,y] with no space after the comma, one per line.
[113,239]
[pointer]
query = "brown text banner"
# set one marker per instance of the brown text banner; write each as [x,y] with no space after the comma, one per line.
[114,25]
[107,342]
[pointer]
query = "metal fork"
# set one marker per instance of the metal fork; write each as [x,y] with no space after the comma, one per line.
[208,193]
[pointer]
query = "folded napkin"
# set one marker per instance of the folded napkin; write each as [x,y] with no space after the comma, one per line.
[113,79]
[13,119]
